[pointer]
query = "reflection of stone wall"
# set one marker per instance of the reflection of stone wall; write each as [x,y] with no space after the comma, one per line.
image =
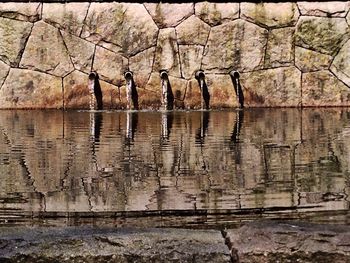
[288,53]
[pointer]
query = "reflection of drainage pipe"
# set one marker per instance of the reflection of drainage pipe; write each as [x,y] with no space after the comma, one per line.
[238,88]
[95,92]
[200,76]
[131,92]
[167,93]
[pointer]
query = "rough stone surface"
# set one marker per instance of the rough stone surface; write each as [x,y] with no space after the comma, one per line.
[217,13]
[4,69]
[110,66]
[141,64]
[341,64]
[14,35]
[81,51]
[321,88]
[21,11]
[221,90]
[192,31]
[279,50]
[322,34]
[190,58]
[307,60]
[270,14]
[167,53]
[193,98]
[77,96]
[235,45]
[128,26]
[30,89]
[169,15]
[272,87]
[45,51]
[327,9]
[69,16]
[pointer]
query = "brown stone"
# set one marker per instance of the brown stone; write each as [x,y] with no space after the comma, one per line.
[110,66]
[272,87]
[279,51]
[45,51]
[341,64]
[141,65]
[14,35]
[67,16]
[190,58]
[321,88]
[307,60]
[327,9]
[21,11]
[192,31]
[169,15]
[193,98]
[30,89]
[270,14]
[217,13]
[221,90]
[236,45]
[4,70]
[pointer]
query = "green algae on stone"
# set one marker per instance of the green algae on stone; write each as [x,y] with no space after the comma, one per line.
[307,60]
[217,13]
[341,64]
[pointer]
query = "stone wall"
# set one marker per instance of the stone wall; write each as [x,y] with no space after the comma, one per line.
[288,54]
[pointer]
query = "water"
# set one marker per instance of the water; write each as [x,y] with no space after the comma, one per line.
[189,169]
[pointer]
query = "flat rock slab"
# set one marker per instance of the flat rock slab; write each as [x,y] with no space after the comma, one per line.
[83,244]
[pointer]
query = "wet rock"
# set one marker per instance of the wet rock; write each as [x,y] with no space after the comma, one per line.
[236,45]
[217,13]
[141,64]
[67,16]
[321,88]
[81,51]
[222,93]
[193,98]
[77,96]
[325,35]
[307,60]
[341,64]
[4,70]
[110,66]
[327,9]
[21,11]
[167,53]
[30,89]
[279,51]
[14,35]
[190,58]
[45,51]
[128,26]
[270,14]
[277,87]
[192,31]
[169,15]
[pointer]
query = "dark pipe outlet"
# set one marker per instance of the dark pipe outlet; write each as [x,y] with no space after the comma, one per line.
[200,76]
[131,91]
[95,91]
[238,88]
[167,92]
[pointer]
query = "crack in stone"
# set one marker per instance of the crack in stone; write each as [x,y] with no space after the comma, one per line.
[234,258]
[21,52]
[83,24]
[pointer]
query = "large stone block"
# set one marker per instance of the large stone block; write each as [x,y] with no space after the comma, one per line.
[30,89]
[45,51]
[14,35]
[190,58]
[321,88]
[279,50]
[169,15]
[236,45]
[217,13]
[21,11]
[192,31]
[167,53]
[341,64]
[270,14]
[272,87]
[307,60]
[4,70]
[67,16]
[322,34]
[128,26]
[80,51]
[141,65]
[327,9]
[110,66]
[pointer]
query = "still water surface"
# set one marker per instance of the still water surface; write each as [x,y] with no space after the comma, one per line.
[196,169]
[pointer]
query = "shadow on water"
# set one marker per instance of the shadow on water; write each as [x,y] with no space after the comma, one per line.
[203,129]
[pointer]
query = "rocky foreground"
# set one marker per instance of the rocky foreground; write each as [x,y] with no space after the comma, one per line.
[254,242]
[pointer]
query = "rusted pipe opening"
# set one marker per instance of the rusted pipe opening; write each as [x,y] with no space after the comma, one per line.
[131,91]
[200,76]
[128,75]
[238,88]
[96,102]
[167,93]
